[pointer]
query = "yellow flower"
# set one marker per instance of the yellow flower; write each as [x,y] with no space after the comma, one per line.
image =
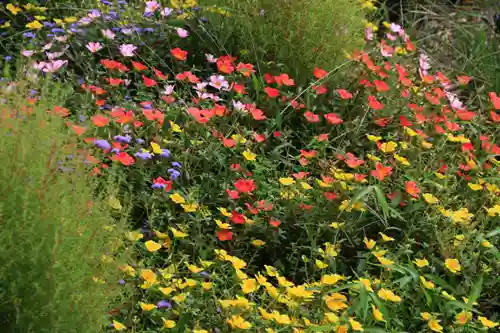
[128,269]
[225,226]
[439,175]
[331,279]
[178,233]
[152,246]
[287,181]
[34,25]
[463,317]
[189,208]
[156,148]
[460,138]
[238,322]
[430,199]
[425,315]
[402,160]
[238,138]
[384,261]
[336,302]
[486,244]
[355,325]
[337,225]
[6,25]
[300,292]
[426,145]
[13,9]
[373,138]
[461,216]
[494,211]
[249,156]
[134,235]
[487,323]
[448,296]
[166,291]
[194,269]
[147,306]
[421,263]
[410,132]
[320,264]
[388,295]
[369,243]
[453,265]
[373,158]
[305,186]
[331,317]
[70,19]
[386,238]
[366,283]
[168,323]
[200,331]
[206,263]
[175,128]
[475,187]
[377,315]
[177,198]
[249,286]
[118,326]
[388,147]
[206,285]
[426,284]
[179,298]
[258,242]
[40,18]
[434,325]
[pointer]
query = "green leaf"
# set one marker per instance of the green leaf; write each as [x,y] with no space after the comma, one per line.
[476,291]
[374,330]
[440,282]
[493,233]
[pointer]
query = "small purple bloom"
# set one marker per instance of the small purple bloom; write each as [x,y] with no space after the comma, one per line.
[164,304]
[140,141]
[121,138]
[177,165]
[102,144]
[122,282]
[165,153]
[29,35]
[157,186]
[174,174]
[145,155]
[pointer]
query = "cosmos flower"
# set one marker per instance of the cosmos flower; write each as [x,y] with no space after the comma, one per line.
[127,50]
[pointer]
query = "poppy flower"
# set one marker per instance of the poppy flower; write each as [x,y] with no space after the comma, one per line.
[319,73]
[274,222]
[224,235]
[412,189]
[139,66]
[245,185]
[272,92]
[374,104]
[333,119]
[381,86]
[311,117]
[284,79]
[495,100]
[149,82]
[344,94]
[125,158]
[381,171]
[179,54]
[228,142]
[100,120]
[237,218]
[153,115]
[257,114]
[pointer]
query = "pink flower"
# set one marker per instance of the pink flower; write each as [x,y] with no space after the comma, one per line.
[151,6]
[54,66]
[183,33]
[54,55]
[61,39]
[94,46]
[369,33]
[27,53]
[169,89]
[107,33]
[127,50]
[210,58]
[166,12]
[219,82]
[395,28]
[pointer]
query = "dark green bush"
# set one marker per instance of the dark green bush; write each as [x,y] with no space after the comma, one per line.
[58,244]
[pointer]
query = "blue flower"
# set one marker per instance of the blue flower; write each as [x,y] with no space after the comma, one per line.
[177,165]
[145,155]
[164,304]
[29,35]
[165,153]
[174,174]
[121,138]
[102,144]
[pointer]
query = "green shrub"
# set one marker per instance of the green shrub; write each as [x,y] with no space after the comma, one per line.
[57,252]
[300,34]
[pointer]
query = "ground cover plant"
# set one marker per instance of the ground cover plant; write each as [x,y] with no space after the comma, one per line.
[264,204]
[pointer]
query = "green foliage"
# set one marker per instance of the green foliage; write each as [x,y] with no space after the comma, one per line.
[58,247]
[300,34]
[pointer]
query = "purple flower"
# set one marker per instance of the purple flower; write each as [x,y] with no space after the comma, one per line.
[157,186]
[122,282]
[164,304]
[145,155]
[140,141]
[121,138]
[177,165]
[102,144]
[29,35]
[166,12]
[165,153]
[174,174]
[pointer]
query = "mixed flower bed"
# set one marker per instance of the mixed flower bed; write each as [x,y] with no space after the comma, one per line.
[261,205]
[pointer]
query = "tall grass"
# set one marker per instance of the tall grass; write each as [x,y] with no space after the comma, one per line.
[298,33]
[58,245]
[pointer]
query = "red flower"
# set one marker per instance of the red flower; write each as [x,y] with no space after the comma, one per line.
[224,235]
[308,153]
[229,143]
[138,66]
[121,116]
[264,205]
[311,117]
[153,115]
[382,122]
[284,79]
[381,86]
[320,90]
[125,158]
[148,82]
[352,161]
[235,167]
[275,223]
[225,64]
[245,69]
[257,114]
[465,115]
[409,45]
[322,137]
[272,92]
[179,54]
[495,100]
[374,104]
[189,76]
[233,194]
[330,195]
[100,120]
[300,175]
[112,64]
[344,94]
[60,111]
[381,171]
[239,88]
[495,117]
[114,82]
[463,80]
[245,185]
[251,209]
[159,74]
[319,73]
[201,116]
[259,137]
[237,218]
[333,119]
[268,78]
[100,102]
[168,99]
[79,130]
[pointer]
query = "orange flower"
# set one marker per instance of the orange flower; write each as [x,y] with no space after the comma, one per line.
[319,73]
[412,189]
[495,100]
[179,54]
[100,120]
[381,171]
[224,235]
[374,104]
